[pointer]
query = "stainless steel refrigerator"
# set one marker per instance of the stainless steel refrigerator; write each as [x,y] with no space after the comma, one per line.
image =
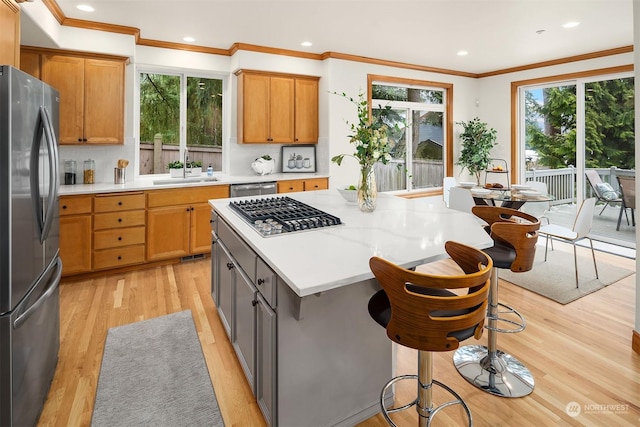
[30,266]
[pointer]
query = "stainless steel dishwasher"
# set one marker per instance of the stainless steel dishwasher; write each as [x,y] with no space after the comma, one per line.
[253,189]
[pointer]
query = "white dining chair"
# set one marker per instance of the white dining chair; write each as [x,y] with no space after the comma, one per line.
[538,209]
[461,199]
[447,183]
[580,230]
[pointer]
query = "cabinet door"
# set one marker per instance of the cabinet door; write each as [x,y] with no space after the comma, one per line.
[104,102]
[222,263]
[75,243]
[266,358]
[9,33]
[66,74]
[281,111]
[168,232]
[30,63]
[254,109]
[200,241]
[306,112]
[244,318]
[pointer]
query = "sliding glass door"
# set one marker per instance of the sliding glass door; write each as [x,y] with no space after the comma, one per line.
[567,128]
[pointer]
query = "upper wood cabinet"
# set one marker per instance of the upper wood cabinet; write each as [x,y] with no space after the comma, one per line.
[9,33]
[91,96]
[277,108]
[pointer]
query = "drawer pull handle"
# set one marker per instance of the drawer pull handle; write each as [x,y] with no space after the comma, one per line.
[119,203]
[119,238]
[119,219]
[254,303]
[64,206]
[119,257]
[261,281]
[229,265]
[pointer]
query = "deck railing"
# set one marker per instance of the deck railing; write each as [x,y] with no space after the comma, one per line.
[562,182]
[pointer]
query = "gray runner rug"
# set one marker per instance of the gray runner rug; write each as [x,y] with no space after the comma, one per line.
[153,373]
[556,280]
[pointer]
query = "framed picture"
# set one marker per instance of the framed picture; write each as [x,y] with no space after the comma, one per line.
[299,158]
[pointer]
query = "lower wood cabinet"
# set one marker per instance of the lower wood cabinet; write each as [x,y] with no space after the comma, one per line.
[75,234]
[294,185]
[179,221]
[111,230]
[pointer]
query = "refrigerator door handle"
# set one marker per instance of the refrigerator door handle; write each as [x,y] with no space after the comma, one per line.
[45,126]
[53,284]
[52,146]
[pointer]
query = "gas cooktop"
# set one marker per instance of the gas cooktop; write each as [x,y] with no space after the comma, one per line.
[277,215]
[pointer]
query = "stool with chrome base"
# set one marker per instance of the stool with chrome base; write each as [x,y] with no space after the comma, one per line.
[418,311]
[515,234]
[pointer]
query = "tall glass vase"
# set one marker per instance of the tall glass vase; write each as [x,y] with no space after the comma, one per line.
[367,191]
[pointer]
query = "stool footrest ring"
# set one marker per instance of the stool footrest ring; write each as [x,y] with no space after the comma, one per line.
[431,411]
[520,324]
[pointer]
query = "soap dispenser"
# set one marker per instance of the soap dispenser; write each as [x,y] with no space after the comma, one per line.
[210,170]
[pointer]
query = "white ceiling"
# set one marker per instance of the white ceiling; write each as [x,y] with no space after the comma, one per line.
[498,34]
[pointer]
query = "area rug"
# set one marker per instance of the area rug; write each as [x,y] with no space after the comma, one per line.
[153,373]
[556,280]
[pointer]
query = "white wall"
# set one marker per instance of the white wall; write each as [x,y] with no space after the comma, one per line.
[487,98]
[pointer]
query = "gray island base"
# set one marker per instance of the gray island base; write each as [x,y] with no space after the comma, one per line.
[295,306]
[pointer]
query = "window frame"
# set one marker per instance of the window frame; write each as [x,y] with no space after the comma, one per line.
[184,74]
[447,120]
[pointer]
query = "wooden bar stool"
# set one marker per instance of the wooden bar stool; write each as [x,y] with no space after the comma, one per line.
[419,311]
[515,234]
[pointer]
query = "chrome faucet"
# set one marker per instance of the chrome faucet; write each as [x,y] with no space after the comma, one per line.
[187,164]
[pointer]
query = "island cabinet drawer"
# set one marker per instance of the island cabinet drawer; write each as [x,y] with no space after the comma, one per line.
[118,219]
[118,202]
[118,257]
[75,205]
[266,282]
[115,238]
[242,254]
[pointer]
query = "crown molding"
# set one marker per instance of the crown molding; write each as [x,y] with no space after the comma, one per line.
[55,10]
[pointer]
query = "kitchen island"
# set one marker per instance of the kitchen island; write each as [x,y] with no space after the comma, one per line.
[295,305]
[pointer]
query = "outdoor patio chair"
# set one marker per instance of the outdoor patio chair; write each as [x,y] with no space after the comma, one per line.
[602,190]
[628,189]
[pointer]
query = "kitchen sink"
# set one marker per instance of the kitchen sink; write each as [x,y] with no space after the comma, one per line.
[184,180]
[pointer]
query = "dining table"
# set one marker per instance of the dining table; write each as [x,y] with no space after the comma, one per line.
[509,197]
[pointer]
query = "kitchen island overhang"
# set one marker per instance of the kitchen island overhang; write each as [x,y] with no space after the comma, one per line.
[407,232]
[296,309]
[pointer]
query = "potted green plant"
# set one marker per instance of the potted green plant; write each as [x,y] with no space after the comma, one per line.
[477,141]
[176,169]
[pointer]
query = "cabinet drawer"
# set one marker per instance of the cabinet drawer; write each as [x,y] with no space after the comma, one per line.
[266,282]
[186,196]
[118,219]
[290,186]
[110,258]
[315,184]
[75,205]
[120,237]
[118,202]
[242,253]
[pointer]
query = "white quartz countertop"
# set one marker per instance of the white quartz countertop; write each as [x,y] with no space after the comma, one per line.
[147,182]
[408,232]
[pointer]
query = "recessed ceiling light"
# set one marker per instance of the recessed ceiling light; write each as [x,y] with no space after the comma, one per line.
[462,53]
[189,39]
[85,8]
[306,44]
[570,25]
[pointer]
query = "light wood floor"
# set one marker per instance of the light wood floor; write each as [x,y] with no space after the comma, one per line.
[578,353]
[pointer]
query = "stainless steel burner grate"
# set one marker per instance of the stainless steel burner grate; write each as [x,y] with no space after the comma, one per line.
[277,215]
